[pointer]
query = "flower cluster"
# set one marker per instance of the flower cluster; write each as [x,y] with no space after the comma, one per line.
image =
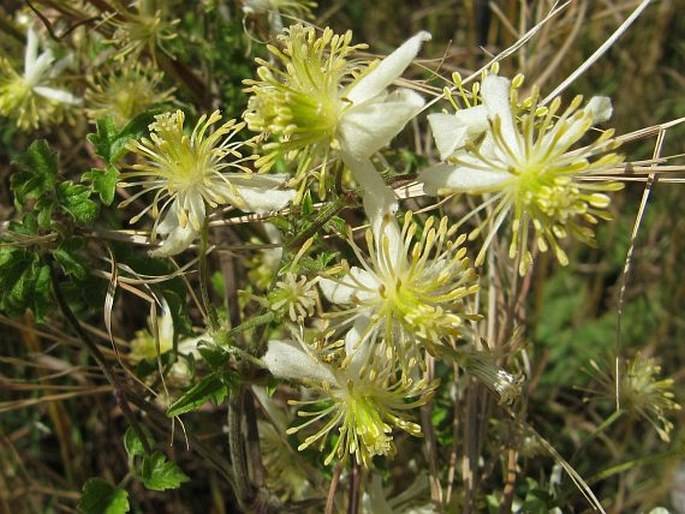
[532,162]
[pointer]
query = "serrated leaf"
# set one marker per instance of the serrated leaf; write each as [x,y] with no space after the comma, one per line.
[100,497]
[158,474]
[24,282]
[37,173]
[104,137]
[104,182]
[67,258]
[133,445]
[209,388]
[75,199]
[213,355]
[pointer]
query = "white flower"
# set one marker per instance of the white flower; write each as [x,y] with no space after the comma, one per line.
[31,97]
[409,293]
[523,154]
[319,100]
[361,405]
[189,172]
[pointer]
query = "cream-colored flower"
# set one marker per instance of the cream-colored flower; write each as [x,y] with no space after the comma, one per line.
[409,293]
[125,92]
[321,100]
[189,172]
[531,161]
[32,98]
[361,406]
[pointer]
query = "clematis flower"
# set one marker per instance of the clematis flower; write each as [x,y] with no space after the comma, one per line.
[158,339]
[322,102]
[125,92]
[32,97]
[361,405]
[409,293]
[189,172]
[531,160]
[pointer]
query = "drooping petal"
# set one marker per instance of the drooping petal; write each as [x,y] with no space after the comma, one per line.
[178,240]
[387,70]
[452,131]
[57,95]
[262,193]
[452,178]
[378,199]
[366,128]
[287,360]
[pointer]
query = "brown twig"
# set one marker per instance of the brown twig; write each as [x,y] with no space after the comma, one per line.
[120,390]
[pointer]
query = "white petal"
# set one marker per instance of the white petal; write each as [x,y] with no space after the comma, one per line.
[287,360]
[452,131]
[262,193]
[448,133]
[195,207]
[451,178]
[178,238]
[600,108]
[57,95]
[495,95]
[387,70]
[367,127]
[344,291]
[36,73]
[165,327]
[31,51]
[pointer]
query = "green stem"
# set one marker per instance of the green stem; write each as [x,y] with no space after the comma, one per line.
[212,316]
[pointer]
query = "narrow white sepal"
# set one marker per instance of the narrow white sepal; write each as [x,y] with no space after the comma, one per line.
[387,70]
[495,95]
[57,95]
[449,177]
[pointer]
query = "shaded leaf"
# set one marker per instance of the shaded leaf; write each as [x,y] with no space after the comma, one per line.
[209,388]
[100,497]
[158,474]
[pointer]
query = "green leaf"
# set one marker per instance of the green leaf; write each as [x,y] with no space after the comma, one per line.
[211,387]
[66,256]
[158,474]
[100,497]
[133,444]
[103,139]
[110,143]
[24,282]
[75,199]
[37,173]
[104,182]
